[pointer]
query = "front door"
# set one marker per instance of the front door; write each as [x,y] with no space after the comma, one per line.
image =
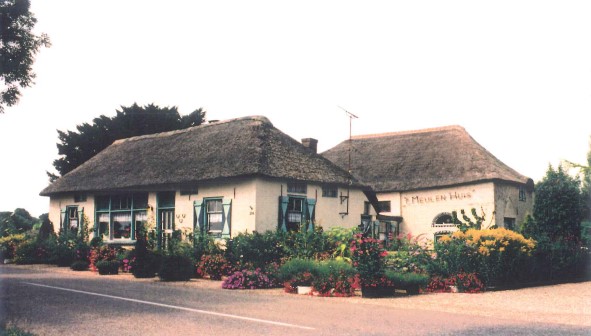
[166,219]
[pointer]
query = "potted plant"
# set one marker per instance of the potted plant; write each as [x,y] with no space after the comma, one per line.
[368,255]
[108,267]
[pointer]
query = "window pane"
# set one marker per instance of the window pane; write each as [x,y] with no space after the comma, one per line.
[102,202]
[214,206]
[215,221]
[298,188]
[295,204]
[122,226]
[103,226]
[120,202]
[166,199]
[140,201]
[294,217]
[329,191]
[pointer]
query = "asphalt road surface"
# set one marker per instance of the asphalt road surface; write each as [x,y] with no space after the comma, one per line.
[47,302]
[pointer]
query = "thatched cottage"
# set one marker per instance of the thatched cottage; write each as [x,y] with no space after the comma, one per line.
[221,178]
[422,176]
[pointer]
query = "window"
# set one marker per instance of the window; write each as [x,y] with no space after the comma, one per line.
[330,191]
[297,188]
[366,208]
[166,203]
[295,213]
[522,194]
[72,213]
[215,219]
[443,219]
[509,223]
[384,206]
[79,198]
[189,190]
[118,215]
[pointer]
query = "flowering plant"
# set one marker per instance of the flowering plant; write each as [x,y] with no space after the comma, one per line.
[103,253]
[247,279]
[215,266]
[368,255]
[465,283]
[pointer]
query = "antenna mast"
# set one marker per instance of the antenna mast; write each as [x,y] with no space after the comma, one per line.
[351,117]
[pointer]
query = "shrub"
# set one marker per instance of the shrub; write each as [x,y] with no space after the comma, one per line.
[256,250]
[248,279]
[102,253]
[368,255]
[465,282]
[498,256]
[298,272]
[79,265]
[176,268]
[31,252]
[215,266]
[334,278]
[8,245]
[339,238]
[107,267]
[407,281]
[306,244]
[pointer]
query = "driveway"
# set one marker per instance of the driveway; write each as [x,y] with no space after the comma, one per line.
[60,296]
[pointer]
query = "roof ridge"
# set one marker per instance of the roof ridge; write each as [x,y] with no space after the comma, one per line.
[260,118]
[419,131]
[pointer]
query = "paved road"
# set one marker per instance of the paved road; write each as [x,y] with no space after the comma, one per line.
[50,302]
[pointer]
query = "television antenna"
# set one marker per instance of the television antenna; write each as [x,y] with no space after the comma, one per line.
[343,197]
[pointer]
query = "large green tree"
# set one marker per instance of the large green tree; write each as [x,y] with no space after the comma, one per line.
[15,222]
[76,147]
[558,208]
[18,47]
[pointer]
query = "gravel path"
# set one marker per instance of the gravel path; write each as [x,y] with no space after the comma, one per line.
[568,304]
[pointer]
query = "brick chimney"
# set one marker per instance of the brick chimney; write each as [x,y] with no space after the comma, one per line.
[311,144]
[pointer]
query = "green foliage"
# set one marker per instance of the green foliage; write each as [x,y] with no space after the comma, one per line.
[143,261]
[306,244]
[18,47]
[339,238]
[557,207]
[408,254]
[407,280]
[46,229]
[498,256]
[298,271]
[176,268]
[108,267]
[334,277]
[215,266]
[467,223]
[256,250]
[79,265]
[8,245]
[367,255]
[12,331]
[19,221]
[204,244]
[77,147]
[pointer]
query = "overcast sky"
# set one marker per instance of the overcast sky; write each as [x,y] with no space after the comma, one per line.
[515,74]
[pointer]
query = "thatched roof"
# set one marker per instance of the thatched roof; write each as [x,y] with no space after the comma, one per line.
[422,159]
[249,146]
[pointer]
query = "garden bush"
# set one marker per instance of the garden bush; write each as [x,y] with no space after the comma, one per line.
[368,255]
[256,250]
[306,244]
[215,266]
[102,253]
[334,278]
[465,283]
[339,238]
[248,279]
[8,245]
[107,267]
[407,281]
[176,268]
[498,256]
[298,272]
[79,265]
[32,251]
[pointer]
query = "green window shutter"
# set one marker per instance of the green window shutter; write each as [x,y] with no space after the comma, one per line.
[198,215]
[311,205]
[283,200]
[226,218]
[81,222]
